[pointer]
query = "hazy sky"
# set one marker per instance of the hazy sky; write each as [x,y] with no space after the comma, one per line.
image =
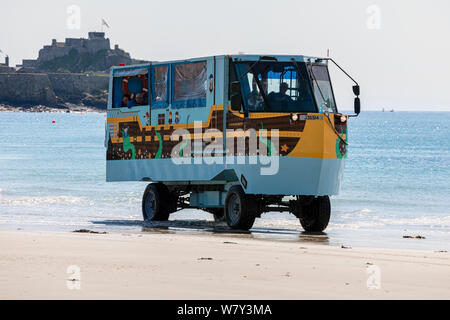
[397,50]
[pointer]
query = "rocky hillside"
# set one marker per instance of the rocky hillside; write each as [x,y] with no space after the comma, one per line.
[53,89]
[81,62]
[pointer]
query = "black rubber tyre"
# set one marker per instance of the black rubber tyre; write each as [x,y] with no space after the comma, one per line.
[219,214]
[171,198]
[155,203]
[240,209]
[316,215]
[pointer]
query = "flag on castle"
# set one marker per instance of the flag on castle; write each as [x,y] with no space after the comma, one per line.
[104,23]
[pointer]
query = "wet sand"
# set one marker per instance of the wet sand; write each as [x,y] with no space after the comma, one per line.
[164,265]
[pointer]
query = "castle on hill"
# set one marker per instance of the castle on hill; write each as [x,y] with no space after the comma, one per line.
[78,55]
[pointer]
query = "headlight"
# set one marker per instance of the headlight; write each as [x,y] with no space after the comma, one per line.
[294,117]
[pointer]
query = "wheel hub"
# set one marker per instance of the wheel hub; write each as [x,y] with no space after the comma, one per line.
[150,205]
[234,209]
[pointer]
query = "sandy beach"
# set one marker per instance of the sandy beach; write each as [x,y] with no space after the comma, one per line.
[159,265]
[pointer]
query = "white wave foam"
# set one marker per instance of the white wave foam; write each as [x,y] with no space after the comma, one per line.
[425,221]
[432,221]
[352,212]
[355,225]
[41,200]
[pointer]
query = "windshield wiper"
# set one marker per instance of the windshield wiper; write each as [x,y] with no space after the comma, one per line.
[263,94]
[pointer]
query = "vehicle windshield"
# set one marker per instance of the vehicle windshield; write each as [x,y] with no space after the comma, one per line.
[275,87]
[322,88]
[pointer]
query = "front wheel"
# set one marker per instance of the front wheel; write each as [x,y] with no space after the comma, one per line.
[316,214]
[155,203]
[239,209]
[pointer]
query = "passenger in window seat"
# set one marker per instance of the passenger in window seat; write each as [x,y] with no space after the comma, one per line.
[125,101]
[138,101]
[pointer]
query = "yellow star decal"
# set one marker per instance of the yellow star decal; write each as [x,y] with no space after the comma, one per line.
[284,148]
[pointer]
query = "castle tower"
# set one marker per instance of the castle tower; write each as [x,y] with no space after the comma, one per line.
[96,35]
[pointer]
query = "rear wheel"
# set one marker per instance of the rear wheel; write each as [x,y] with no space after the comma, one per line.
[155,206]
[315,215]
[240,209]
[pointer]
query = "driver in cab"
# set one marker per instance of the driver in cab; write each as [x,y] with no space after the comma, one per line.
[278,100]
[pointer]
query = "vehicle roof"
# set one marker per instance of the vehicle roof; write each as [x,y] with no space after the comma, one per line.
[234,57]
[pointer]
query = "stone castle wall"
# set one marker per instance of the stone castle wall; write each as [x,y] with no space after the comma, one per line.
[72,87]
[49,89]
[51,52]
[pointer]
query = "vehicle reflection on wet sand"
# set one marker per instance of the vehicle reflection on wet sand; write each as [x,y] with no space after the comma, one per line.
[220,228]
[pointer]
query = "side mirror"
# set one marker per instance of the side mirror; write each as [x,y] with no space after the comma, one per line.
[236,102]
[356,90]
[357,106]
[235,87]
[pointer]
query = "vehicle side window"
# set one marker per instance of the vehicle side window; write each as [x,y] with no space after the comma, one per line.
[130,87]
[189,85]
[160,87]
[322,89]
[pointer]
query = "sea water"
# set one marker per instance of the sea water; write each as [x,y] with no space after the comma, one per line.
[395,184]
